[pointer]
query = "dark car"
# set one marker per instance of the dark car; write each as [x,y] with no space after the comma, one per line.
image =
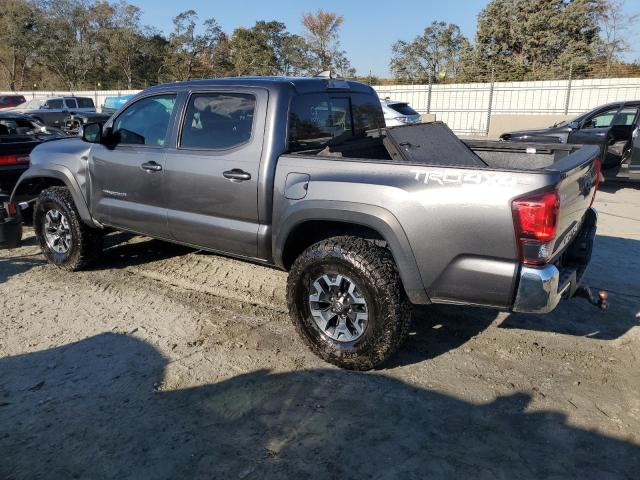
[10,101]
[72,125]
[611,126]
[53,111]
[19,135]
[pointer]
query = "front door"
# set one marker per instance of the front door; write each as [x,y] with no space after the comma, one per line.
[127,174]
[53,113]
[211,177]
[594,128]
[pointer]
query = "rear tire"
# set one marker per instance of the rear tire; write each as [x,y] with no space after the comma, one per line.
[347,302]
[64,238]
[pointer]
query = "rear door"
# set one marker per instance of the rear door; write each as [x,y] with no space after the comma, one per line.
[127,177]
[211,175]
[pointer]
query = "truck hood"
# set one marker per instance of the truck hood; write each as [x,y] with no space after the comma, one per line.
[65,151]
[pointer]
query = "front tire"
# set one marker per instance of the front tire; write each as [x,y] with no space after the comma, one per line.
[64,238]
[347,302]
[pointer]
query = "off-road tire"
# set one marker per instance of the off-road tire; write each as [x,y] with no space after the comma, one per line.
[86,242]
[370,266]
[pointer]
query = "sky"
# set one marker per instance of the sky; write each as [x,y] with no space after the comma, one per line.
[370,26]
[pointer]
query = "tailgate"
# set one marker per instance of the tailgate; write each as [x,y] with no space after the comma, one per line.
[579,174]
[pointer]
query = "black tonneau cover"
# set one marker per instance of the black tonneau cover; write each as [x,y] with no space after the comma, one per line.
[430,143]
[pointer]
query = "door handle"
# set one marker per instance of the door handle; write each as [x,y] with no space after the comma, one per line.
[151,166]
[237,174]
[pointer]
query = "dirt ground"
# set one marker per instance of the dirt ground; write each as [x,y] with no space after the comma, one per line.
[164,362]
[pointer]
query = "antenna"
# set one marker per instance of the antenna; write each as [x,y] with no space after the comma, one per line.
[325,74]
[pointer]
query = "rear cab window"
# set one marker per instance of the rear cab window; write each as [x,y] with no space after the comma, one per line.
[85,103]
[318,120]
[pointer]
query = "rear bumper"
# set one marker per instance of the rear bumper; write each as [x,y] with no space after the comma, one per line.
[540,289]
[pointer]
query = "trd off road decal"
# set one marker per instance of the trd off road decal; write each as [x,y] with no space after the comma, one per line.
[461,178]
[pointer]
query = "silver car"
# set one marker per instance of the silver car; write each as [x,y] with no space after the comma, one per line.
[398,113]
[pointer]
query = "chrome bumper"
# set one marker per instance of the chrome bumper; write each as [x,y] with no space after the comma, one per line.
[538,290]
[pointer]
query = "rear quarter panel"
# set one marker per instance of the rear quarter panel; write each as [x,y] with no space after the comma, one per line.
[457,222]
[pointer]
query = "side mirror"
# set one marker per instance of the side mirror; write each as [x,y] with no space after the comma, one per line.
[92,133]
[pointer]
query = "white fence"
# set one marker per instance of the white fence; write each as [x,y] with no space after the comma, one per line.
[467,108]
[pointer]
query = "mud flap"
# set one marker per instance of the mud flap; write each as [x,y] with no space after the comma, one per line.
[10,224]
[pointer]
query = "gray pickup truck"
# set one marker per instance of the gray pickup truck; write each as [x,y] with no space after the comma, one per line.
[302,175]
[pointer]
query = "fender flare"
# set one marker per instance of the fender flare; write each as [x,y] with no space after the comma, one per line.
[64,175]
[376,218]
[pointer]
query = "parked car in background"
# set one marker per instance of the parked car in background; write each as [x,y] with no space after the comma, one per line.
[53,111]
[112,104]
[611,126]
[398,113]
[73,123]
[9,101]
[19,135]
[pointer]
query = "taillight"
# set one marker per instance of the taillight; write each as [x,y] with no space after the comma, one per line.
[13,159]
[10,208]
[535,219]
[596,182]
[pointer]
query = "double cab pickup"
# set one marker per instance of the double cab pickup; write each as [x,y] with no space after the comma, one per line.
[301,174]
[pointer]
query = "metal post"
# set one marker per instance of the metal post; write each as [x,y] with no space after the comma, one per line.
[490,104]
[568,98]
[429,94]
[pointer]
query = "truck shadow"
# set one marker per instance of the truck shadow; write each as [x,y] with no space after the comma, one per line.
[124,250]
[90,410]
[439,328]
[11,266]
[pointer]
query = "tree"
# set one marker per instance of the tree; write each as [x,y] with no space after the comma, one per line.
[189,53]
[70,47]
[432,55]
[20,34]
[124,41]
[530,39]
[323,38]
[615,24]
[268,49]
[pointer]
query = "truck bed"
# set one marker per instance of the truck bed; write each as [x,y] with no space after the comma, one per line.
[495,155]
[457,218]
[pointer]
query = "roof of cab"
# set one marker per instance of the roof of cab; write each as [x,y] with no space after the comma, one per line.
[300,84]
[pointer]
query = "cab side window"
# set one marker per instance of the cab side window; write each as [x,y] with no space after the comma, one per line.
[54,104]
[218,120]
[601,120]
[70,103]
[626,117]
[145,122]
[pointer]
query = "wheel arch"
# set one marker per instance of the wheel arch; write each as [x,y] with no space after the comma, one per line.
[312,222]
[35,180]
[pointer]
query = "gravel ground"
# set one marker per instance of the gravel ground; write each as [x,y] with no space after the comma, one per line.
[164,362]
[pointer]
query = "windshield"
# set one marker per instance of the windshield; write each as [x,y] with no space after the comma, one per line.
[33,104]
[402,108]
